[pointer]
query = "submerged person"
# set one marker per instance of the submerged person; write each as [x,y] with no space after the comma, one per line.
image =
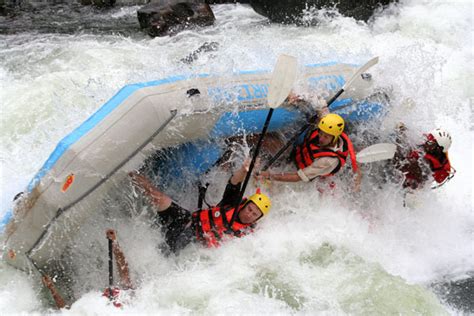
[428,161]
[322,153]
[208,226]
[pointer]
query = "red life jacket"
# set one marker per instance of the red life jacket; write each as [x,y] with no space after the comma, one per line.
[211,225]
[440,170]
[309,150]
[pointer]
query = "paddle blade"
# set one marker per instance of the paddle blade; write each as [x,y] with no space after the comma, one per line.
[376,152]
[360,71]
[283,78]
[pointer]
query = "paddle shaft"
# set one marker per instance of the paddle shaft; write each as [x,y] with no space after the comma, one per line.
[252,164]
[331,101]
[111,268]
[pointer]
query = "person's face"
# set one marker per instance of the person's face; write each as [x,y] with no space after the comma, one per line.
[250,213]
[430,145]
[325,139]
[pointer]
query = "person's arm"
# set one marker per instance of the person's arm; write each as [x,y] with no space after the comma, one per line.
[293,98]
[240,174]
[357,180]
[122,264]
[311,104]
[320,167]
[280,176]
[232,189]
[320,106]
[158,198]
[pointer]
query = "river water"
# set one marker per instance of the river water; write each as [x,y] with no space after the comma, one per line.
[328,255]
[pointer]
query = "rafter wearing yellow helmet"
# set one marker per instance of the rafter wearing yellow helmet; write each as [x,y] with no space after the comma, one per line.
[208,226]
[323,152]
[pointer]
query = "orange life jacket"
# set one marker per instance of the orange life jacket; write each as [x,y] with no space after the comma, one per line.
[213,223]
[309,150]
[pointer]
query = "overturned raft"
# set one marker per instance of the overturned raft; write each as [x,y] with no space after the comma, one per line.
[188,114]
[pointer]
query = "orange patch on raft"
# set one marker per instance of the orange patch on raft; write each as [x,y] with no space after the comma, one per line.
[68,182]
[11,254]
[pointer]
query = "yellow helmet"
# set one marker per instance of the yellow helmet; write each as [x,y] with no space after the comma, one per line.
[332,124]
[262,201]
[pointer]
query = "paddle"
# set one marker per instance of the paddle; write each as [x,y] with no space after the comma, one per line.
[376,152]
[112,293]
[354,77]
[283,78]
[111,268]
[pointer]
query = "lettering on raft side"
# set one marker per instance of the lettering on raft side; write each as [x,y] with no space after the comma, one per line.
[239,93]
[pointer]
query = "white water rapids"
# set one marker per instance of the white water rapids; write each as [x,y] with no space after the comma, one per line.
[313,255]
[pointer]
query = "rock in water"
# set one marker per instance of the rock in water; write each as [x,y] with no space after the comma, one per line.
[159,19]
[226,1]
[291,11]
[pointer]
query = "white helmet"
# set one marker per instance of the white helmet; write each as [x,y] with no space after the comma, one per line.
[442,137]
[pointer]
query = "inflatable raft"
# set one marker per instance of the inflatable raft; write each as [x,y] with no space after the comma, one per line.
[185,115]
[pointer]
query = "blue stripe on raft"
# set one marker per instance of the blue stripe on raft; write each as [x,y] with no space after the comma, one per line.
[331,63]
[339,103]
[252,72]
[6,218]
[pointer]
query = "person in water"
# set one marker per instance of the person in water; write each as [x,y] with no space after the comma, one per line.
[208,226]
[428,161]
[322,153]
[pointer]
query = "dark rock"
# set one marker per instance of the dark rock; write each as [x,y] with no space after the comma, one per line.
[206,47]
[291,11]
[6,9]
[160,19]
[226,1]
[99,3]
[68,19]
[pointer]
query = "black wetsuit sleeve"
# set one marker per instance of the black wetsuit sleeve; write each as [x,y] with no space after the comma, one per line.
[231,194]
